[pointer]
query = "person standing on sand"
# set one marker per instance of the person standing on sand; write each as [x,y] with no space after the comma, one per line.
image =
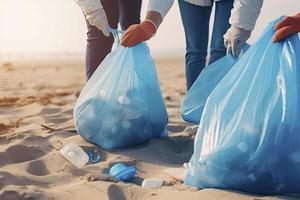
[100,16]
[195,16]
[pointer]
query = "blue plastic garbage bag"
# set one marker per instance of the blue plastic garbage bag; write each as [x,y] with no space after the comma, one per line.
[249,134]
[195,99]
[122,104]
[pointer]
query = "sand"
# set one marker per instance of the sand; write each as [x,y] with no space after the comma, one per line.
[36,102]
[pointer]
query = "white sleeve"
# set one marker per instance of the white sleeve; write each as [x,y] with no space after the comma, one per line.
[161,6]
[88,6]
[245,13]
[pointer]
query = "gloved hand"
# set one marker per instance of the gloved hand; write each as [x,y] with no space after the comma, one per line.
[95,14]
[137,33]
[235,39]
[287,27]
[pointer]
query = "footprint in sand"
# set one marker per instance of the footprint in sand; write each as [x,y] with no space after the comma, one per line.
[20,195]
[10,195]
[4,140]
[4,127]
[7,178]
[171,150]
[20,153]
[54,115]
[56,119]
[37,168]
[48,111]
[68,112]
[115,193]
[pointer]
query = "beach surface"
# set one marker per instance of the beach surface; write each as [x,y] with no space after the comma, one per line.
[36,105]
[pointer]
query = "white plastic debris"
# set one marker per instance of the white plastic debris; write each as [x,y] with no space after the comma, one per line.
[185,165]
[74,153]
[124,100]
[152,183]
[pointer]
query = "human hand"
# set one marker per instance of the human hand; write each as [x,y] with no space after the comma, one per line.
[137,33]
[287,27]
[234,40]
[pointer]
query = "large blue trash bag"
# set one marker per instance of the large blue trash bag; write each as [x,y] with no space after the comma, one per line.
[249,134]
[195,99]
[122,104]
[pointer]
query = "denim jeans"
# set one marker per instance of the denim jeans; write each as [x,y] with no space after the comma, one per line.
[125,12]
[195,21]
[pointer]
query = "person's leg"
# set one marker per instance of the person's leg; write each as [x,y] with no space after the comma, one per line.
[129,12]
[221,24]
[98,45]
[195,21]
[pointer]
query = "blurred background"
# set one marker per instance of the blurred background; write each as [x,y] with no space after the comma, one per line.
[56,28]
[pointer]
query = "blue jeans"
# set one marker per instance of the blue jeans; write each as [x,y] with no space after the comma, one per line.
[126,12]
[195,21]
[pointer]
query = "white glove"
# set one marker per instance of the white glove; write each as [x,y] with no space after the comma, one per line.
[94,14]
[234,40]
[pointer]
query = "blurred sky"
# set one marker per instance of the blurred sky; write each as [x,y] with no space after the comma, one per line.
[57,27]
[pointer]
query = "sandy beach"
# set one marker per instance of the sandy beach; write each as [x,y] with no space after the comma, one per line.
[36,104]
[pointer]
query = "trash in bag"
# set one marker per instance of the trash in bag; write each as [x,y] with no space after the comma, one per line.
[249,133]
[122,104]
[195,99]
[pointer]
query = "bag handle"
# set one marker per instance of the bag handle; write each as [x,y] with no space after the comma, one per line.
[116,33]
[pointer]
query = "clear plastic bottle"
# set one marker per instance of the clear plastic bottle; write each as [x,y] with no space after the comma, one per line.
[74,153]
[152,183]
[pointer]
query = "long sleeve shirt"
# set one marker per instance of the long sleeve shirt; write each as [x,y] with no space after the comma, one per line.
[243,15]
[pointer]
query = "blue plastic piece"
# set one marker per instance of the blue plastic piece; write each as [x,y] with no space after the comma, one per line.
[122,105]
[195,99]
[94,156]
[122,172]
[249,133]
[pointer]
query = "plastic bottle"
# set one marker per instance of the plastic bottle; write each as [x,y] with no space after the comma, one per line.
[152,183]
[74,153]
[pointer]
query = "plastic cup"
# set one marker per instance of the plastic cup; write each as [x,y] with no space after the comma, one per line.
[122,171]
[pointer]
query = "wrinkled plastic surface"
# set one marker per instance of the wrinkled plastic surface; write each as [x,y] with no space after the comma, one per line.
[74,153]
[249,134]
[121,104]
[195,99]
[122,172]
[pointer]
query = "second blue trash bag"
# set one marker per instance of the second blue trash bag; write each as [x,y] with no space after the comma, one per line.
[195,99]
[122,104]
[249,133]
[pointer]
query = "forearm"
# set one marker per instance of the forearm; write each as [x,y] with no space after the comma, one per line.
[155,17]
[245,13]
[89,6]
[157,10]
